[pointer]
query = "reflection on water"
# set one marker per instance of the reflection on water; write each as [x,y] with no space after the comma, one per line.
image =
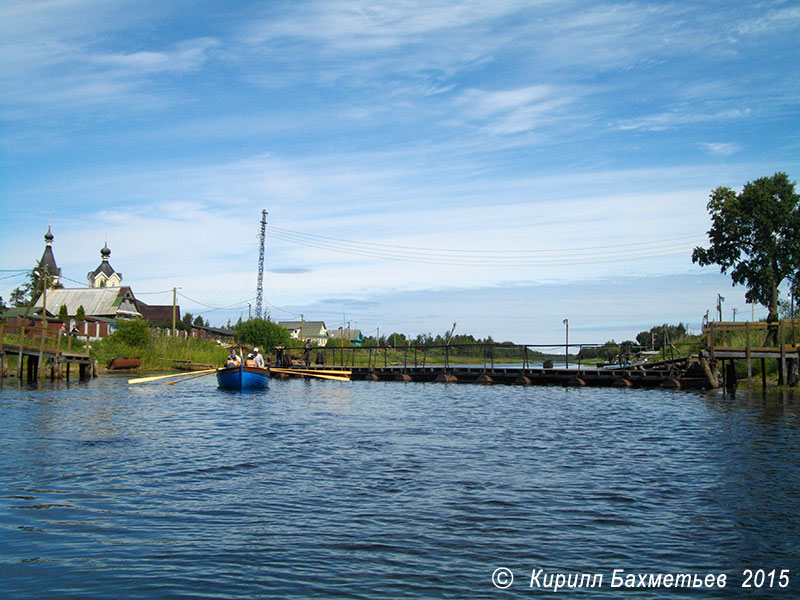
[361,490]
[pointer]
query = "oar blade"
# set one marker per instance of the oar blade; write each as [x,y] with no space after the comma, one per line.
[157,377]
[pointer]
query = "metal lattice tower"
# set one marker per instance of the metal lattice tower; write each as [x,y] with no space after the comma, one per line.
[260,290]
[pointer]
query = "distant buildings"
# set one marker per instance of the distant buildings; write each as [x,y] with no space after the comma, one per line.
[353,336]
[94,309]
[303,330]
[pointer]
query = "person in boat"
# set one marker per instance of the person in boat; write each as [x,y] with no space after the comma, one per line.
[258,358]
[233,360]
[250,362]
[307,352]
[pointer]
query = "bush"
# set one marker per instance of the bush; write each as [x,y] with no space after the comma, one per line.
[262,333]
[132,333]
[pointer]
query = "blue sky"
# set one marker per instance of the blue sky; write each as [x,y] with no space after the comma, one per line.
[503,165]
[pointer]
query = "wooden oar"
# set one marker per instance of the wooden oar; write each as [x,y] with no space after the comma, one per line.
[321,371]
[302,373]
[157,377]
[198,374]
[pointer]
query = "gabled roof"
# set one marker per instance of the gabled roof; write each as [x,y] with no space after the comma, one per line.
[306,328]
[350,335]
[161,313]
[105,267]
[96,302]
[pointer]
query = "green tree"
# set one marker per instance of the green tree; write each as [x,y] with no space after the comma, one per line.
[262,333]
[80,313]
[756,236]
[134,332]
[62,312]
[25,294]
[658,336]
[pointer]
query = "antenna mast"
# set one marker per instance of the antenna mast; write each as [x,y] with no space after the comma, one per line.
[260,290]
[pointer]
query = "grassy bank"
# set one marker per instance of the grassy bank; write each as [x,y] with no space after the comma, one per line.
[159,352]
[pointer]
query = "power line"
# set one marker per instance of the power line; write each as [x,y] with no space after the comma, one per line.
[235,305]
[507,258]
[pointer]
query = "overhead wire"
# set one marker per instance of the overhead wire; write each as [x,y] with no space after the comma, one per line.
[496,258]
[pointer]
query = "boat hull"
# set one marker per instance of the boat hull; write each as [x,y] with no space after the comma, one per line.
[117,364]
[242,378]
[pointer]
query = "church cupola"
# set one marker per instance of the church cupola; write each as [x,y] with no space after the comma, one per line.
[48,260]
[104,275]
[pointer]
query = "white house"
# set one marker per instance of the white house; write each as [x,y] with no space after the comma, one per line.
[303,330]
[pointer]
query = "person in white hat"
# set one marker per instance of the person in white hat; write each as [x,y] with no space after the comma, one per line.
[258,358]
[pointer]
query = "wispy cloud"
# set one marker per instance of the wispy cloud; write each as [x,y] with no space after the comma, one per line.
[722,148]
[677,118]
[774,22]
[512,111]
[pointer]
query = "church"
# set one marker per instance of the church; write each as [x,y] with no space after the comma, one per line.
[103,301]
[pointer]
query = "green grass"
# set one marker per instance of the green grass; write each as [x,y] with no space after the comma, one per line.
[159,348]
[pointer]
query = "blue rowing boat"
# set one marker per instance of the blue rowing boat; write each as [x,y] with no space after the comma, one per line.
[242,378]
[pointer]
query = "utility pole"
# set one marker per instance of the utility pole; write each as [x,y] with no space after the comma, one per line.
[734,315]
[44,294]
[174,308]
[720,300]
[260,288]
[566,345]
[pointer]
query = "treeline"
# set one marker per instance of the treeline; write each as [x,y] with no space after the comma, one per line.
[424,340]
[656,338]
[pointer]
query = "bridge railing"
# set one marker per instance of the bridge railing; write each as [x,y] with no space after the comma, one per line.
[487,355]
[27,338]
[782,335]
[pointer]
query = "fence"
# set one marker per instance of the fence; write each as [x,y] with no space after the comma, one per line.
[30,339]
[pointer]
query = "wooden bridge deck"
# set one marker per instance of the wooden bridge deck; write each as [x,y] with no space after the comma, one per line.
[39,346]
[748,341]
[675,376]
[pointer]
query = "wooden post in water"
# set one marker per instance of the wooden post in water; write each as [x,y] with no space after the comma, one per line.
[747,351]
[21,347]
[782,370]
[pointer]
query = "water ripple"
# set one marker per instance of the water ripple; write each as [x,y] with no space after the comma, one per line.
[365,490]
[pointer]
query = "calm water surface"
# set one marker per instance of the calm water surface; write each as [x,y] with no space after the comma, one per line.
[321,489]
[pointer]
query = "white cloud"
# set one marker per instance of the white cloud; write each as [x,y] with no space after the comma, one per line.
[677,118]
[507,112]
[722,148]
[774,22]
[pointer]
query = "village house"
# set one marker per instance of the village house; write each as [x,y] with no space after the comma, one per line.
[353,336]
[303,330]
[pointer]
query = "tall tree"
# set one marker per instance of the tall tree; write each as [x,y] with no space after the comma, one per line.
[756,236]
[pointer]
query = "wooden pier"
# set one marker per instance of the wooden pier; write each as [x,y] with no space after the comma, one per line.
[674,376]
[42,351]
[681,373]
[728,342]
[713,366]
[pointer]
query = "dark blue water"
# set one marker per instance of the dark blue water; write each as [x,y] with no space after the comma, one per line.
[321,489]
